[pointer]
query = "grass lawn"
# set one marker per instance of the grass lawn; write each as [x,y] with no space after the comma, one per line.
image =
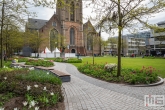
[127,62]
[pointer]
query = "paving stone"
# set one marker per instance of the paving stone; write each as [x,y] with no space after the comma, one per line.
[95,94]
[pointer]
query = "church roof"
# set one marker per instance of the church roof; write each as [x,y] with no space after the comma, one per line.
[36,23]
[89,25]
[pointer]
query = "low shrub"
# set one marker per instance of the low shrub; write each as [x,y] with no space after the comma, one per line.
[68,60]
[23,59]
[74,60]
[39,62]
[58,59]
[110,67]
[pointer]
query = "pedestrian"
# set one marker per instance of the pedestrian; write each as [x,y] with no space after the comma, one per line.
[78,55]
[5,57]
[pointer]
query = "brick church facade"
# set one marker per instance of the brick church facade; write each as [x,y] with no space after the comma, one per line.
[66,31]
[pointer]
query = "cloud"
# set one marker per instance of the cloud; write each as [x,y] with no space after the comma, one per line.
[46,14]
[43,12]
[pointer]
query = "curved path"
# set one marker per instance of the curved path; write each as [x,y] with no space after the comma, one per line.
[86,93]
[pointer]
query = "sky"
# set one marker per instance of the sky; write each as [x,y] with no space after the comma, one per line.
[46,14]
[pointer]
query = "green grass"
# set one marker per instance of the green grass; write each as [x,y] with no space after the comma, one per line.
[126,62]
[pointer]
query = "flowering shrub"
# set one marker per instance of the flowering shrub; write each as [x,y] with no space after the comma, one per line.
[96,70]
[146,75]
[110,67]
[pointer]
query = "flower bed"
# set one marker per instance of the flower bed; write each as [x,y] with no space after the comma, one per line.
[34,89]
[108,72]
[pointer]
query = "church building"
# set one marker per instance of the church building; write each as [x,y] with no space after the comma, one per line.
[66,31]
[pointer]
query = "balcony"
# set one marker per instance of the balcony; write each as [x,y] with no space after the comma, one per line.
[158,34]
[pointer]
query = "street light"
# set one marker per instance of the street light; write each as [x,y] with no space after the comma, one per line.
[55,49]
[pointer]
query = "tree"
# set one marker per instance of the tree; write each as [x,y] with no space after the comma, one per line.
[34,40]
[122,14]
[112,41]
[93,40]
[104,44]
[92,37]
[15,11]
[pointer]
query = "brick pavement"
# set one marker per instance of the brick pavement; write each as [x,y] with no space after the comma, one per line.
[86,93]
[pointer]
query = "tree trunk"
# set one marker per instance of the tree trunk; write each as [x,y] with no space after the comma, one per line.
[2,33]
[119,40]
[119,54]
[93,55]
[100,41]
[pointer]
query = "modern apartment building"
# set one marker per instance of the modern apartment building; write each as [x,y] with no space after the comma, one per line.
[110,49]
[157,40]
[135,44]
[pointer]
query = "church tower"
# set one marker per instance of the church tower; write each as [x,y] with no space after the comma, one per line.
[70,16]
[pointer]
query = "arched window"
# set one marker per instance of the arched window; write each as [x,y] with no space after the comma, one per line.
[73,51]
[72,13]
[89,42]
[53,39]
[72,36]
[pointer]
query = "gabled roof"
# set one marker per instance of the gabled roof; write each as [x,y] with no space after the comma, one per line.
[36,23]
[89,25]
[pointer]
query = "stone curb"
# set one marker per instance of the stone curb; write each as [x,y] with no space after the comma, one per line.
[148,85]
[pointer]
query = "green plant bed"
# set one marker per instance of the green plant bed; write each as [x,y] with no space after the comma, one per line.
[131,76]
[23,59]
[39,63]
[74,60]
[153,57]
[58,59]
[126,62]
[33,88]
[68,60]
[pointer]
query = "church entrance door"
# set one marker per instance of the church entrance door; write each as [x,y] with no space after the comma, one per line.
[73,51]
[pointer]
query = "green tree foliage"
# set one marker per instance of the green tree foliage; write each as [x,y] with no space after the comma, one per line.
[13,13]
[34,40]
[122,14]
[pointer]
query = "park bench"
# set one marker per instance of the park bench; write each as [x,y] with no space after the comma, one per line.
[44,68]
[16,64]
[63,76]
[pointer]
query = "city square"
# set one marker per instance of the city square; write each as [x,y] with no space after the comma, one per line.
[82,55]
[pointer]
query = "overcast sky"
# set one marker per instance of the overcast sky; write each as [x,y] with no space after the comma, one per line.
[46,14]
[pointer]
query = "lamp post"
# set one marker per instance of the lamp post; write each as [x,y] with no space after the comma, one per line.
[68,49]
[55,49]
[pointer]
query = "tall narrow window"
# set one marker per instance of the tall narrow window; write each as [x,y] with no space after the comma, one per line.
[72,36]
[72,13]
[53,39]
[89,42]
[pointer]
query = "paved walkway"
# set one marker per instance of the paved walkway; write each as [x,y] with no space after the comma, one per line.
[86,93]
